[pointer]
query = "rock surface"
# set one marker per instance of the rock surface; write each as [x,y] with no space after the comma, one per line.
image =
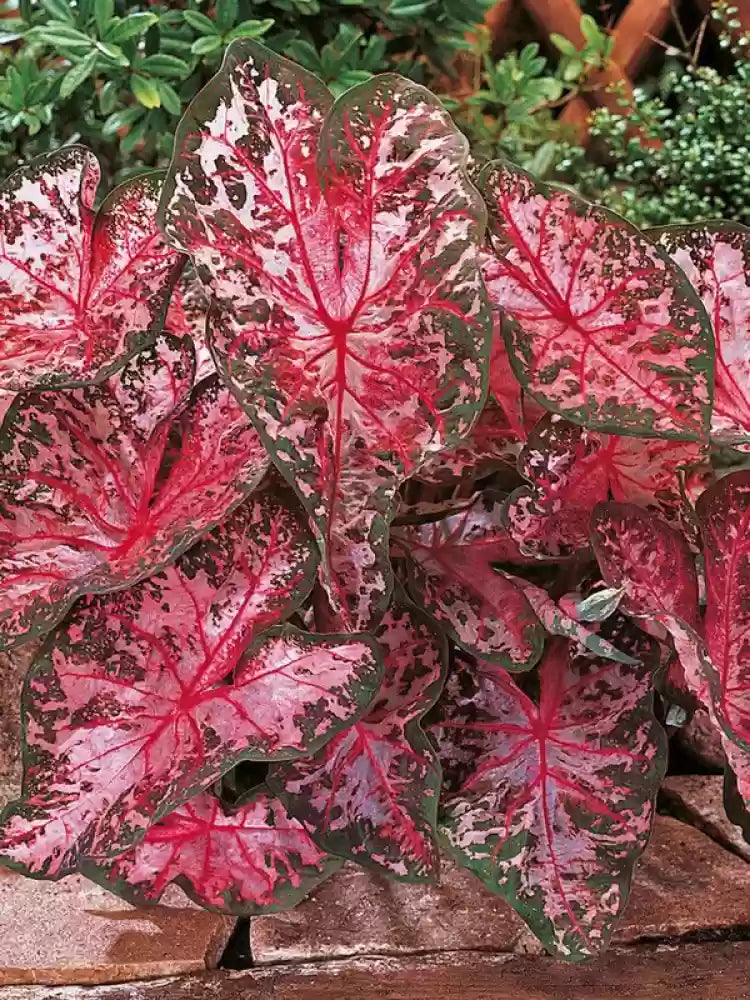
[73,931]
[684,884]
[700,740]
[699,799]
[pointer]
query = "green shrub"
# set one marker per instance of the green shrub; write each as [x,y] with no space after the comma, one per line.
[117,75]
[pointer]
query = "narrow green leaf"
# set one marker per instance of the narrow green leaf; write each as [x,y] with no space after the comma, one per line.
[59,10]
[121,119]
[169,67]
[202,46]
[108,97]
[77,74]
[61,36]
[114,53]
[104,11]
[131,27]
[170,99]
[226,14]
[145,91]
[251,29]
[563,44]
[200,22]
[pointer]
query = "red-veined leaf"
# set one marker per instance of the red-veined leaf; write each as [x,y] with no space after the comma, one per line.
[550,517]
[570,469]
[87,503]
[254,859]
[149,695]
[339,242]
[371,794]
[653,565]
[490,445]
[80,291]
[186,317]
[553,803]
[451,577]
[557,622]
[521,411]
[724,517]
[601,326]
[715,256]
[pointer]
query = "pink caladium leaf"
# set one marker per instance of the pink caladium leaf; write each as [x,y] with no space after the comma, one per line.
[490,445]
[715,256]
[550,517]
[451,576]
[371,794]
[88,501]
[253,859]
[148,696]
[571,469]
[551,804]
[339,243]
[521,411]
[601,326]
[187,316]
[556,621]
[80,291]
[724,517]
[653,565]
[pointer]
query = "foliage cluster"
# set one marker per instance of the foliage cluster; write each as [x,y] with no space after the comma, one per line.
[362,512]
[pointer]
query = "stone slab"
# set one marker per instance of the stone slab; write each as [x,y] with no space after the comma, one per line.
[687,972]
[685,883]
[699,799]
[73,931]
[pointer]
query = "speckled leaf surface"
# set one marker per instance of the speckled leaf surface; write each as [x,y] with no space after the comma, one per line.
[556,621]
[655,568]
[549,518]
[339,243]
[491,445]
[724,517]
[371,794]
[601,326]
[80,291]
[452,578]
[150,695]
[521,411]
[552,803]
[87,502]
[254,859]
[187,316]
[571,469]
[715,256]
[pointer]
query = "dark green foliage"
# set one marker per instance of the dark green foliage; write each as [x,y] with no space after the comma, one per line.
[117,75]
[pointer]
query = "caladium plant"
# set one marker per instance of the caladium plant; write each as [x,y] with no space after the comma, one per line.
[517,527]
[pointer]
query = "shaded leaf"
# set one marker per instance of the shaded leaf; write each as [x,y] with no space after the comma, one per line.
[79,291]
[86,504]
[451,577]
[371,794]
[601,326]
[553,802]
[148,696]
[187,316]
[490,445]
[254,859]
[339,243]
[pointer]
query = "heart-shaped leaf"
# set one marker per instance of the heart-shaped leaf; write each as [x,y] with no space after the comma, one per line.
[653,566]
[491,445]
[340,245]
[715,256]
[91,497]
[600,324]
[371,794]
[254,859]
[451,577]
[187,316]
[80,291]
[149,695]
[552,803]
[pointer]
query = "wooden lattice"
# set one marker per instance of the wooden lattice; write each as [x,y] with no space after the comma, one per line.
[636,32]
